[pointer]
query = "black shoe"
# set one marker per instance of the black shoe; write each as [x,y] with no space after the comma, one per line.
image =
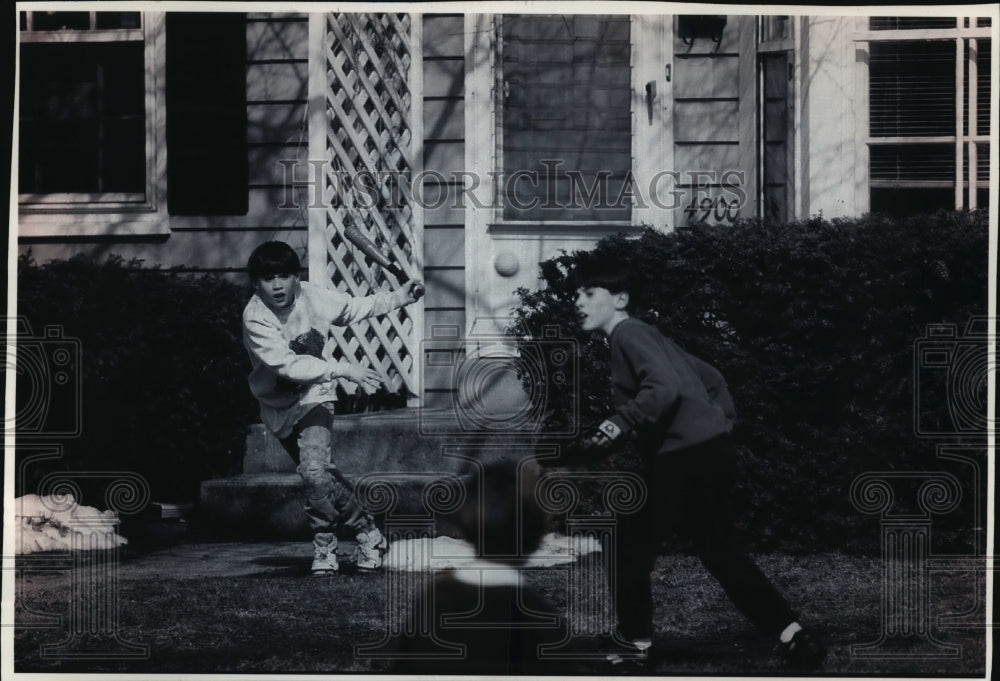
[804,651]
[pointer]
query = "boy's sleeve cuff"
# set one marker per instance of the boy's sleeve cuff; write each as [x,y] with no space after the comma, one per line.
[399,297]
[610,429]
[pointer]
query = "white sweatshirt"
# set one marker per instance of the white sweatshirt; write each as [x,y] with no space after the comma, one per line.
[292,370]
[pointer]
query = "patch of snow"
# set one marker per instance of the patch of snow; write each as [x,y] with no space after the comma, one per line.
[60,524]
[442,553]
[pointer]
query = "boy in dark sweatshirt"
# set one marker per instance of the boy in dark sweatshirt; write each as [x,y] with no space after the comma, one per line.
[679,409]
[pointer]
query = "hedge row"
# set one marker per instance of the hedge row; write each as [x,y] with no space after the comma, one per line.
[817,326]
[162,374]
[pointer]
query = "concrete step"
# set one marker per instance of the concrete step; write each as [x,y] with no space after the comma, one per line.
[392,457]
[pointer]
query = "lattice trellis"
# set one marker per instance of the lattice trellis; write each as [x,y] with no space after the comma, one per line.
[367,179]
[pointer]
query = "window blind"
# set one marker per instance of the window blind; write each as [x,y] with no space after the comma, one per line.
[913,148]
[912,89]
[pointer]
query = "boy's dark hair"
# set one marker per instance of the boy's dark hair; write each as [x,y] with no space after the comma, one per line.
[272,257]
[592,271]
[501,515]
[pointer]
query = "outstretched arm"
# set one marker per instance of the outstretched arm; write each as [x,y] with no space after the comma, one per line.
[265,342]
[347,309]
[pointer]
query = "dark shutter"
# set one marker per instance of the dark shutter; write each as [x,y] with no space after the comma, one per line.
[207,171]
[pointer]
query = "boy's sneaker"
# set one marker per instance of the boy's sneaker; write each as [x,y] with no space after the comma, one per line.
[324,554]
[804,651]
[629,655]
[372,546]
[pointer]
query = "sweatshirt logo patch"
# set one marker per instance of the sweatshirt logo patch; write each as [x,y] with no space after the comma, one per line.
[309,343]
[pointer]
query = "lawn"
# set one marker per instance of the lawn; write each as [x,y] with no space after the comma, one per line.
[281,620]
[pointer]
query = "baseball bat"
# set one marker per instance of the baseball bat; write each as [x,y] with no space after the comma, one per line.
[366,246]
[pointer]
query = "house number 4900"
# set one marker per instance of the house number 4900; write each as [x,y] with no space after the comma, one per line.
[719,209]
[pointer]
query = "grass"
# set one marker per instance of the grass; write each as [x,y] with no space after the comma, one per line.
[283,621]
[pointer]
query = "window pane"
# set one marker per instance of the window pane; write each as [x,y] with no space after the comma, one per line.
[902,23]
[983,162]
[56,21]
[566,117]
[82,117]
[984,86]
[773,28]
[114,20]
[913,163]
[912,88]
[121,167]
[903,201]
[774,71]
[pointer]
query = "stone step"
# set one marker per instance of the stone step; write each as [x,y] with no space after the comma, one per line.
[393,458]
[270,505]
[400,440]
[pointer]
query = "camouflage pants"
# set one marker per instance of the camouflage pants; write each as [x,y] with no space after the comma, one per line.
[330,499]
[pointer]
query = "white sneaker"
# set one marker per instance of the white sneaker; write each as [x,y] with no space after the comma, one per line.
[634,652]
[324,554]
[371,547]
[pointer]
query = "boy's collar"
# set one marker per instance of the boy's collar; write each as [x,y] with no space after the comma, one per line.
[617,323]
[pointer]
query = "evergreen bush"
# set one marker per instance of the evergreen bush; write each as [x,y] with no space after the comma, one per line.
[815,325]
[162,373]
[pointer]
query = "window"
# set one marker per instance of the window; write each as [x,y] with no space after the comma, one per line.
[86,116]
[564,121]
[929,99]
[774,120]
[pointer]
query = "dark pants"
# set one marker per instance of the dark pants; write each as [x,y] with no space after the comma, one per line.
[690,492]
[330,500]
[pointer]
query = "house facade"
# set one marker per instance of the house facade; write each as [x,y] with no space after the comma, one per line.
[470,147]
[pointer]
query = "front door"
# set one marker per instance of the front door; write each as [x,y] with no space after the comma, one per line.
[588,125]
[565,116]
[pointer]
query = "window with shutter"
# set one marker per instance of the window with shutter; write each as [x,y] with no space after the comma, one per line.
[85,118]
[929,99]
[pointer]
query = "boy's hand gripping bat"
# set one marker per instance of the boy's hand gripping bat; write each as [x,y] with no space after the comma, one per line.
[353,235]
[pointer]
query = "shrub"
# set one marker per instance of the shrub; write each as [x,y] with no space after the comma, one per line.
[163,371]
[814,325]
